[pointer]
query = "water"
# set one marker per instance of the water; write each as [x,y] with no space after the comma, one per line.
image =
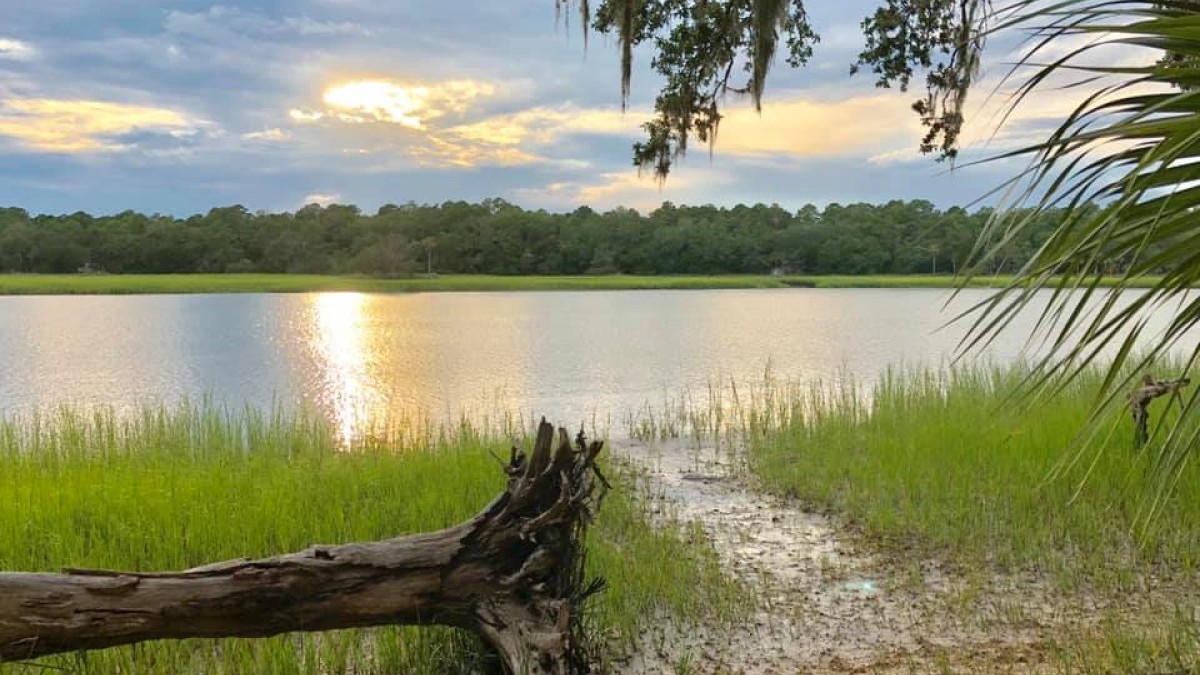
[566,355]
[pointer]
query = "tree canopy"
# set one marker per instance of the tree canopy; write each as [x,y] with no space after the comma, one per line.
[496,237]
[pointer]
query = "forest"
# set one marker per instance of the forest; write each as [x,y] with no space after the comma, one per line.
[497,237]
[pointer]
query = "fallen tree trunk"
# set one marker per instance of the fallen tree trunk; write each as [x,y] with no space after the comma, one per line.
[513,575]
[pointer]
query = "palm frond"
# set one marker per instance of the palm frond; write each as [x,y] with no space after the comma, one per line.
[1133,147]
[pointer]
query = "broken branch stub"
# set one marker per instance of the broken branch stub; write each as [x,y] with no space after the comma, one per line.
[1140,399]
[514,574]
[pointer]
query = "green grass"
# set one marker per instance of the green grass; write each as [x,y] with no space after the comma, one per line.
[922,281]
[945,462]
[115,284]
[296,283]
[948,465]
[176,488]
[1170,646]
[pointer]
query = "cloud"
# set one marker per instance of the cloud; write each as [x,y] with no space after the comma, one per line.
[802,124]
[525,137]
[273,134]
[409,105]
[321,199]
[446,151]
[73,126]
[423,121]
[796,124]
[627,189]
[543,125]
[219,21]
[315,91]
[306,25]
[997,121]
[16,50]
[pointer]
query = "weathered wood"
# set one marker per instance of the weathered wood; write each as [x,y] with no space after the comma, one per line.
[513,574]
[1139,403]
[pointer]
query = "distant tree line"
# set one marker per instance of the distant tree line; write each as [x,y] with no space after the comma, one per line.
[496,237]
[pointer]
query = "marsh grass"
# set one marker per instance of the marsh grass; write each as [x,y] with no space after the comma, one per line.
[949,460]
[952,462]
[179,487]
[67,284]
[118,284]
[1170,646]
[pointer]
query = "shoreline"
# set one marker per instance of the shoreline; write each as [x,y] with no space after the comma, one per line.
[145,284]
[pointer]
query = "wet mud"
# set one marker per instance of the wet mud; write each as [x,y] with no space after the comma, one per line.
[823,602]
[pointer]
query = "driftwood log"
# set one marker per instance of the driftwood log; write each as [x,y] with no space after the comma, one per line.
[1139,403]
[514,574]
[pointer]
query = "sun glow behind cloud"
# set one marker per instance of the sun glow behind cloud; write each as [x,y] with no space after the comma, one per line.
[380,101]
[386,101]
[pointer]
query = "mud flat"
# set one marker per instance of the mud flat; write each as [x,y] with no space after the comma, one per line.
[825,603]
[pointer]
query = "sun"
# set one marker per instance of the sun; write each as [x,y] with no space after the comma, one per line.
[380,100]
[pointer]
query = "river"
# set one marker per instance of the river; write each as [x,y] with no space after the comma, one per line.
[566,355]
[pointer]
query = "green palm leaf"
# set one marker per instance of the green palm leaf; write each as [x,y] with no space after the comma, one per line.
[1133,146]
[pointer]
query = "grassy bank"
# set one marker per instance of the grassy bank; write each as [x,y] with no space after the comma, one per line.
[114,284]
[177,488]
[943,462]
[297,283]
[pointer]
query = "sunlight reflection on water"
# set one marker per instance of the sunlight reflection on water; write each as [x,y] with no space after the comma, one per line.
[349,395]
[362,360]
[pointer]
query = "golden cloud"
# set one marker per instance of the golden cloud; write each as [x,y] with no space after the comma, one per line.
[440,150]
[792,126]
[802,127]
[69,126]
[796,124]
[543,125]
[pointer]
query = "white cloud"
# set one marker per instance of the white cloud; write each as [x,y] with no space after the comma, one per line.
[219,21]
[306,25]
[273,134]
[322,199]
[305,115]
[16,50]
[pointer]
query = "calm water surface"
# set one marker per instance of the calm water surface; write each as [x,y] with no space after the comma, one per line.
[565,355]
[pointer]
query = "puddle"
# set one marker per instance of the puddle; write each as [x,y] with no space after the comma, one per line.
[862,587]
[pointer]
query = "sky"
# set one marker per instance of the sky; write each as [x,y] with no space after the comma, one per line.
[177,107]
